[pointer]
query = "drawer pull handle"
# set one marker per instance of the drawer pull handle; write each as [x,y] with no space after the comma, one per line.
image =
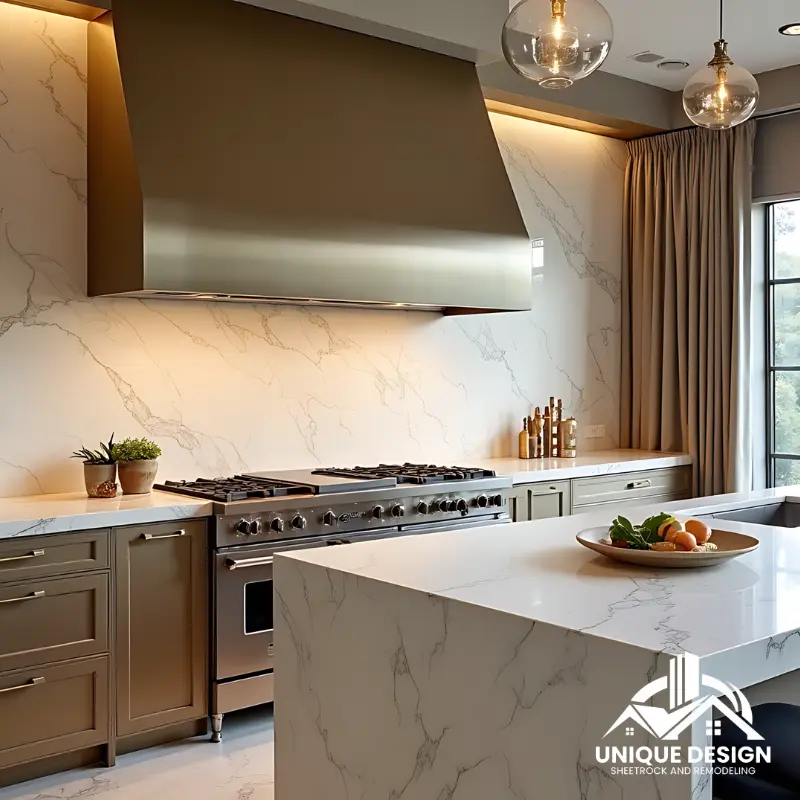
[243,563]
[149,537]
[640,484]
[31,596]
[32,554]
[31,682]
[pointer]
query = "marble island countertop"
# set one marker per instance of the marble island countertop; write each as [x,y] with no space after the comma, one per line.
[57,513]
[493,662]
[537,571]
[587,464]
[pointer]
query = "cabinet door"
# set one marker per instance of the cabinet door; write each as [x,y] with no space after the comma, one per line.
[548,500]
[519,504]
[540,501]
[162,625]
[50,710]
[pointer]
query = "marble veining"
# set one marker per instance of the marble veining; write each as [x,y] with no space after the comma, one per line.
[33,515]
[37,515]
[536,571]
[490,663]
[390,693]
[224,388]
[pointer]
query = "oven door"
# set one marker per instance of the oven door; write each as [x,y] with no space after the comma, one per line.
[243,620]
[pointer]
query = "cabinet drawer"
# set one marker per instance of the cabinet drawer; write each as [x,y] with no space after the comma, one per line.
[51,710]
[53,620]
[56,554]
[631,486]
[615,507]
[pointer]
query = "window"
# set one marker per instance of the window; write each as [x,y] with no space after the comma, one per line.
[783,315]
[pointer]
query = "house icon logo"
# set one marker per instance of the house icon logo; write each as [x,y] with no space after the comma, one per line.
[687,702]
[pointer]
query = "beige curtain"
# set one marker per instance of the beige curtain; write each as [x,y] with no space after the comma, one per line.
[686,301]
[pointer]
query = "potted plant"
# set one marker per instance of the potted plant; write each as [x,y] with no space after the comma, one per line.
[137,464]
[99,470]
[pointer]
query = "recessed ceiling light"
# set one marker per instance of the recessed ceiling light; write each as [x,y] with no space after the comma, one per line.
[646,57]
[673,65]
[792,29]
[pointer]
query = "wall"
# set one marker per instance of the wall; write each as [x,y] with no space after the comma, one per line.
[224,388]
[776,171]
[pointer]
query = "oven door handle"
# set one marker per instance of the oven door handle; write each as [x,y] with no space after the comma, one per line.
[244,563]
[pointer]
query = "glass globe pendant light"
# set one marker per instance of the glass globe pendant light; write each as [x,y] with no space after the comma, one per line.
[557,42]
[721,94]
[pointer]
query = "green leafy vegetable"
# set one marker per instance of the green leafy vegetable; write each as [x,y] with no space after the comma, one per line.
[637,537]
[652,524]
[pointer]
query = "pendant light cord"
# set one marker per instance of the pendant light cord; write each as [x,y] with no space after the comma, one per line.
[721,7]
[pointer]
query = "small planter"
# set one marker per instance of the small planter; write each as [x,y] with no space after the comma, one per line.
[100,479]
[137,477]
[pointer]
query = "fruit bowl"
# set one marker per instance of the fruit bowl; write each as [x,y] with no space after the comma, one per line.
[729,546]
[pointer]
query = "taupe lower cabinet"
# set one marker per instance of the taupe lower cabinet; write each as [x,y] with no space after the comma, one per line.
[103,644]
[162,623]
[540,501]
[582,495]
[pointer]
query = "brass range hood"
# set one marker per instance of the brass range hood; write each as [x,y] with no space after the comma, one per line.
[242,154]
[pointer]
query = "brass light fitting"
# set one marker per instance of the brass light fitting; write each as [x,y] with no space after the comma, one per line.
[558,8]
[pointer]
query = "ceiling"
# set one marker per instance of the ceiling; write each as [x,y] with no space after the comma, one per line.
[676,29]
[687,29]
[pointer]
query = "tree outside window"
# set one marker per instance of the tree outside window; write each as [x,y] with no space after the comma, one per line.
[784,264]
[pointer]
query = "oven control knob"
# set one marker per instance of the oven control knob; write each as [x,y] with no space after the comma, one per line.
[299,522]
[377,512]
[255,527]
[462,506]
[452,505]
[482,501]
[497,500]
[422,507]
[277,525]
[242,527]
[398,510]
[438,505]
[329,518]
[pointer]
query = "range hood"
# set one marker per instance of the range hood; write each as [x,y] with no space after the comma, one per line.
[241,154]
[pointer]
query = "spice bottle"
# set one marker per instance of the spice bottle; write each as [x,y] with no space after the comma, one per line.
[524,440]
[568,438]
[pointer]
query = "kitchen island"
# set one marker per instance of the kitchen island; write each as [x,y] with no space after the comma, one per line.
[490,664]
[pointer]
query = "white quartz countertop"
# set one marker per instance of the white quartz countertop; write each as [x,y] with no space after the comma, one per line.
[56,513]
[537,571]
[600,462]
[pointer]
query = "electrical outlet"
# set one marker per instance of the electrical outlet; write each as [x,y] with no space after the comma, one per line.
[595,431]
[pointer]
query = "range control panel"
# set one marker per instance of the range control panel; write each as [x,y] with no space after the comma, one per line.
[318,518]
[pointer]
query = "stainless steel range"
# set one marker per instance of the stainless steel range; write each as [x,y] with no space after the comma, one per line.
[259,514]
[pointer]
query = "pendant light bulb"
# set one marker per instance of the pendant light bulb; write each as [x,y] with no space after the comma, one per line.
[721,94]
[557,42]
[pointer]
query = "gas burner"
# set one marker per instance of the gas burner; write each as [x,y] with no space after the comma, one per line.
[226,490]
[411,473]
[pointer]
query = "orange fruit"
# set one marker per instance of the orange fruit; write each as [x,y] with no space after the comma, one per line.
[685,541]
[699,530]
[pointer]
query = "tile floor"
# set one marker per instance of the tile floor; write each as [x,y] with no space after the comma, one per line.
[241,768]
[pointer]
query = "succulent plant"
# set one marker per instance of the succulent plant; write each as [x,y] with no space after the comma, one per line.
[135,450]
[95,457]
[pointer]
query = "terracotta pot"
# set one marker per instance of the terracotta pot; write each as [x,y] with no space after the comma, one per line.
[100,479]
[137,477]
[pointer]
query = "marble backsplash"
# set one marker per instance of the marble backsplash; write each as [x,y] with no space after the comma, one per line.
[223,387]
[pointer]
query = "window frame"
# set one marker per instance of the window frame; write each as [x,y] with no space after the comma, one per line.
[769,314]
